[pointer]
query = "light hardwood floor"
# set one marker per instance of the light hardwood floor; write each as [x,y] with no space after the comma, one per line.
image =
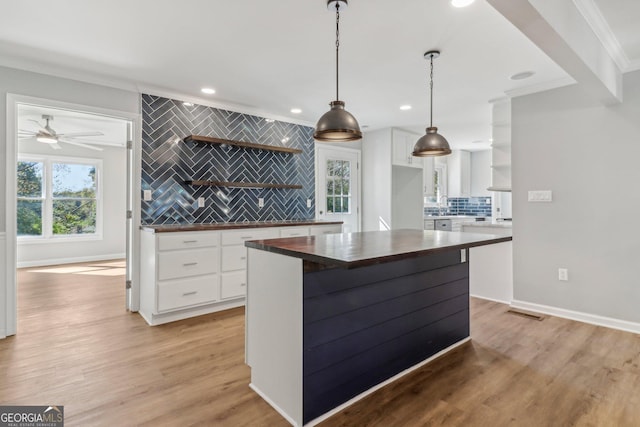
[77,346]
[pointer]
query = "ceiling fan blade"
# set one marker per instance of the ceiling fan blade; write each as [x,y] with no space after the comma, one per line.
[27,138]
[55,146]
[90,147]
[36,122]
[80,134]
[30,132]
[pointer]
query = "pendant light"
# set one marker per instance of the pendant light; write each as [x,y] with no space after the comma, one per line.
[431,144]
[337,124]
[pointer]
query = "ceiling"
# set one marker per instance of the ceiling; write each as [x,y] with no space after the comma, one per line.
[268,57]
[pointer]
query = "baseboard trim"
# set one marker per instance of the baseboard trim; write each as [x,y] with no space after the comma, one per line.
[593,319]
[490,299]
[58,261]
[278,409]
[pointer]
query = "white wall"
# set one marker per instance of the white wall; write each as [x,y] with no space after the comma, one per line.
[112,244]
[480,173]
[376,179]
[587,154]
[26,83]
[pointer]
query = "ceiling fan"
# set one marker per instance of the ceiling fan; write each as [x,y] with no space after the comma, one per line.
[47,135]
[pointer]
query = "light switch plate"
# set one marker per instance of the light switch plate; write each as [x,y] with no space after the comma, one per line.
[260,202]
[201,202]
[308,203]
[146,195]
[540,196]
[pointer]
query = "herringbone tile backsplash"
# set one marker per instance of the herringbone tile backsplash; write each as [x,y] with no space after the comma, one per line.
[166,164]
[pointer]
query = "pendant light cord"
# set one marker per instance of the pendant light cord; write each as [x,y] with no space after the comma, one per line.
[337,46]
[431,91]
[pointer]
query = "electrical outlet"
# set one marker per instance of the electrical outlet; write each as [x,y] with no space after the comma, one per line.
[563,274]
[147,195]
[308,203]
[201,202]
[260,202]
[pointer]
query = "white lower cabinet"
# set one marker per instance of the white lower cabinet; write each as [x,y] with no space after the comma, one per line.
[189,273]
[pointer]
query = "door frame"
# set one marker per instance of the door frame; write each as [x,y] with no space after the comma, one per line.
[358,153]
[10,286]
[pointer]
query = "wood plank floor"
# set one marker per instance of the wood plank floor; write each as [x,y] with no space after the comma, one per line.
[77,346]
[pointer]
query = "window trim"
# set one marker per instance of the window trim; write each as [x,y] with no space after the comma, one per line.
[47,209]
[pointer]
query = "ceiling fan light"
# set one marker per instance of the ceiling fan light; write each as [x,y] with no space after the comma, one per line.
[337,125]
[47,139]
[431,144]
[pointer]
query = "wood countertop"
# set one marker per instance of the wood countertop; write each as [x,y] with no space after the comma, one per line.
[351,250]
[233,225]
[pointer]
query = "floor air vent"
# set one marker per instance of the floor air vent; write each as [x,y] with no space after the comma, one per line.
[526,314]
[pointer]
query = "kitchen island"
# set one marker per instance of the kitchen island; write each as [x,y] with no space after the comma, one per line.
[332,318]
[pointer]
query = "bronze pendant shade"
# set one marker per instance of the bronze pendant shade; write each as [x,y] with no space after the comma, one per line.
[431,144]
[337,124]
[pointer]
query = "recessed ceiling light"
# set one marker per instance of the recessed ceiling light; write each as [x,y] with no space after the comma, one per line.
[523,75]
[208,90]
[188,104]
[405,107]
[296,110]
[461,3]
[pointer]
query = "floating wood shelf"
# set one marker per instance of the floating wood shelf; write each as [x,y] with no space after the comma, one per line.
[211,140]
[242,184]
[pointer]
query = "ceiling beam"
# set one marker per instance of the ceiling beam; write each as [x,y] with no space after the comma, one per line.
[561,31]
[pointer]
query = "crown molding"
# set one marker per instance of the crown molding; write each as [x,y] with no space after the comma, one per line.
[592,14]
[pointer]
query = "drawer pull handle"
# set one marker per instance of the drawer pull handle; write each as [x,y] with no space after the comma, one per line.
[189,264]
[243,257]
[186,294]
[246,237]
[243,284]
[189,241]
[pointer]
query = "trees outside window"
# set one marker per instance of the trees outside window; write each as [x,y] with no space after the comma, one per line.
[57,197]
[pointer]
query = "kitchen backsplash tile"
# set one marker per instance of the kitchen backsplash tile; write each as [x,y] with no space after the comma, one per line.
[475,206]
[167,163]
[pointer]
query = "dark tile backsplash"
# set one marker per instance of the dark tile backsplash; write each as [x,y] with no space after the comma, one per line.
[166,164]
[475,206]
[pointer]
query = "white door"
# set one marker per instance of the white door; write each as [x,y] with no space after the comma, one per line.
[338,186]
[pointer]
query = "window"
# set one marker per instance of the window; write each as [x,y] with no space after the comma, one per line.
[58,197]
[338,186]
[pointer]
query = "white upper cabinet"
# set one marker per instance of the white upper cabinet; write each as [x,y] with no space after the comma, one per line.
[428,189]
[402,147]
[459,171]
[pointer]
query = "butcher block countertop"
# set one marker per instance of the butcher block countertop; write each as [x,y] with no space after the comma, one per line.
[233,225]
[351,250]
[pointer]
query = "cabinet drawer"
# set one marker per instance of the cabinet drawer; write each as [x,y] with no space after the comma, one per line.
[238,237]
[186,240]
[174,264]
[294,231]
[319,230]
[233,285]
[234,258]
[186,292]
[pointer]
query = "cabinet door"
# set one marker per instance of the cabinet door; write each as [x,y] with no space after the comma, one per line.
[429,183]
[459,172]
[402,147]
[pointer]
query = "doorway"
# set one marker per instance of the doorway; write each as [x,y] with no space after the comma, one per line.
[338,186]
[73,174]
